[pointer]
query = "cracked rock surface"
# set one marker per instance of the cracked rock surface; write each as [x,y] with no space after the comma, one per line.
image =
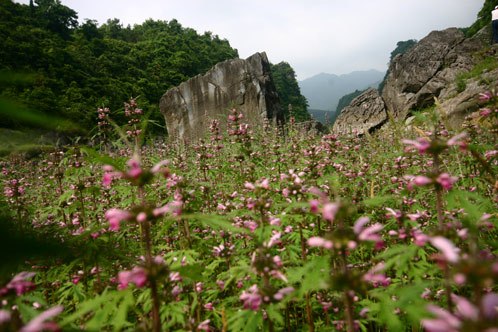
[242,84]
[426,72]
[365,113]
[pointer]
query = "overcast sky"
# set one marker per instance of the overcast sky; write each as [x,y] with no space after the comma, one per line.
[314,36]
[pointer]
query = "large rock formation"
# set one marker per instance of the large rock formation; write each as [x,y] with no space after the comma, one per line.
[364,113]
[242,84]
[429,70]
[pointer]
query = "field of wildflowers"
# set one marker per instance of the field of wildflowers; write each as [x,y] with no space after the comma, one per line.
[259,229]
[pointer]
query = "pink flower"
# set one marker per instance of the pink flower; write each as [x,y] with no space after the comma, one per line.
[204,326]
[5,316]
[421,144]
[135,171]
[369,233]
[443,322]
[446,181]
[137,275]
[458,140]
[282,293]
[329,210]
[421,180]
[249,186]
[116,216]
[489,306]
[252,298]
[314,205]
[448,249]
[320,242]
[159,168]
[375,277]
[464,308]
[39,324]
[419,238]
[20,284]
[486,96]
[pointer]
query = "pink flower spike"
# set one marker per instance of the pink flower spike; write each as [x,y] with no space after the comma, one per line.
[5,316]
[251,298]
[135,171]
[314,204]
[421,180]
[370,233]
[465,309]
[142,217]
[329,211]
[108,168]
[443,322]
[485,112]
[446,181]
[421,144]
[447,248]
[458,140]
[20,283]
[249,186]
[137,275]
[489,306]
[116,216]
[320,242]
[39,324]
[157,167]
[486,96]
[358,225]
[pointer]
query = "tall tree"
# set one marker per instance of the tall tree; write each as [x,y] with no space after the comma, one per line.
[291,100]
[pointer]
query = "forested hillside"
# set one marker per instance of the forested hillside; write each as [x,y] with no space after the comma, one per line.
[79,67]
[74,68]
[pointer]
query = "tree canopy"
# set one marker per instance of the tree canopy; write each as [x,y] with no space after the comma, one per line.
[292,102]
[79,67]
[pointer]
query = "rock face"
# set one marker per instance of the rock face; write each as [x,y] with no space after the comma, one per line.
[242,84]
[427,71]
[365,113]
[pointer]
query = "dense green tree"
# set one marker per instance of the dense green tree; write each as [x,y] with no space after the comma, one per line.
[292,102]
[483,17]
[78,68]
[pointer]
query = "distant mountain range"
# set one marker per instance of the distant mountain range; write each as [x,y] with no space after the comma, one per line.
[323,91]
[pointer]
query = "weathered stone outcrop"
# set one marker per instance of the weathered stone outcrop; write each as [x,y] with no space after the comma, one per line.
[428,71]
[365,113]
[242,84]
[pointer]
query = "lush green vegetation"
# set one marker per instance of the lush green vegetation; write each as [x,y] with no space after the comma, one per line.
[248,230]
[292,102]
[79,67]
[76,68]
[483,17]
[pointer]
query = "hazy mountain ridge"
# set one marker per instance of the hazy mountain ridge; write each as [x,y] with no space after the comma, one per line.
[323,91]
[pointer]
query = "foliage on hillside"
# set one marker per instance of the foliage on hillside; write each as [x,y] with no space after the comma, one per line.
[291,100]
[79,67]
[252,231]
[483,17]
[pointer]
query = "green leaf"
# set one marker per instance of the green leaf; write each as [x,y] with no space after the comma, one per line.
[191,271]
[313,275]
[215,222]
[245,320]
[20,113]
